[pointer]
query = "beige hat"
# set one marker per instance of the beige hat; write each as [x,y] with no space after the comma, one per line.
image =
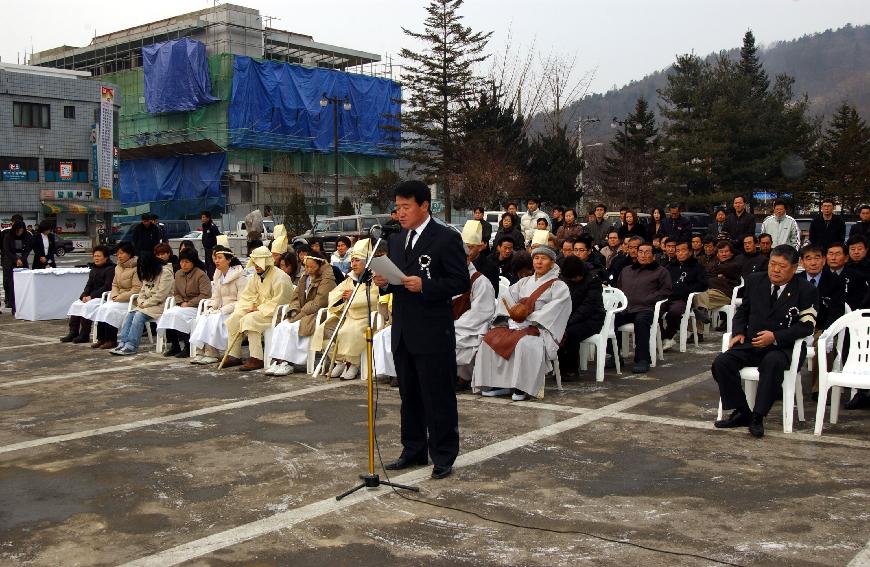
[279,239]
[260,257]
[472,233]
[541,237]
[223,240]
[361,249]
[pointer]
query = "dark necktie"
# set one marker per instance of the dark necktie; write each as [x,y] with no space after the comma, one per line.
[410,246]
[813,281]
[774,294]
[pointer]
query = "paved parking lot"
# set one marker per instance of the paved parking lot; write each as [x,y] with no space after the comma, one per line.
[152,461]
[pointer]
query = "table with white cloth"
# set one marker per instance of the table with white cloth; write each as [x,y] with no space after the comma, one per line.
[46,294]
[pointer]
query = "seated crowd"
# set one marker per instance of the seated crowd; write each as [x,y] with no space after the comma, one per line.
[537,292]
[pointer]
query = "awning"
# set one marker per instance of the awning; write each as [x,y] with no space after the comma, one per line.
[80,207]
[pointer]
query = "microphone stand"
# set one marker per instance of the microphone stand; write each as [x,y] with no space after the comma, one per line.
[372,479]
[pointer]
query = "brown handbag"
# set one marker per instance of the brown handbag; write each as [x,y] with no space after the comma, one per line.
[503,340]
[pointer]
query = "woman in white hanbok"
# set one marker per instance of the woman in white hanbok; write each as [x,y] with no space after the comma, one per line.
[210,330]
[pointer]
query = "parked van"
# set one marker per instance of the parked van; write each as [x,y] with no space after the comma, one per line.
[353,226]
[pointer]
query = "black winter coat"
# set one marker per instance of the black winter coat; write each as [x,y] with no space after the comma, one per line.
[687,277]
[586,301]
[824,233]
[99,280]
[210,232]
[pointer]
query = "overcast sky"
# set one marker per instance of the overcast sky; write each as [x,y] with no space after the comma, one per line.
[622,39]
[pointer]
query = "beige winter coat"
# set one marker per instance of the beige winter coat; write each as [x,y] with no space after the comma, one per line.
[153,294]
[191,287]
[125,282]
[227,289]
[307,302]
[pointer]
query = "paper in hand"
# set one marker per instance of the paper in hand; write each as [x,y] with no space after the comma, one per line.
[384,267]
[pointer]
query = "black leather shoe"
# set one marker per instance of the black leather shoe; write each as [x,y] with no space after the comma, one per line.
[173,350]
[441,472]
[404,462]
[640,368]
[184,353]
[610,363]
[81,339]
[860,401]
[68,338]
[756,425]
[736,419]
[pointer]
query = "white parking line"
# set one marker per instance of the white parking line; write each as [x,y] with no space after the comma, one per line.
[862,559]
[120,370]
[25,336]
[284,520]
[123,427]
[10,347]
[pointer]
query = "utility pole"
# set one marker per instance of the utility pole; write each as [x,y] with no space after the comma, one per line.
[580,187]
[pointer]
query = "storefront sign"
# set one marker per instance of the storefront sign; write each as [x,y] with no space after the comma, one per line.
[14,172]
[66,171]
[106,143]
[66,194]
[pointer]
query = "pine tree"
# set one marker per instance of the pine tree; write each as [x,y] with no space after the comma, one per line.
[630,169]
[841,169]
[345,208]
[750,66]
[377,189]
[553,168]
[442,86]
[296,219]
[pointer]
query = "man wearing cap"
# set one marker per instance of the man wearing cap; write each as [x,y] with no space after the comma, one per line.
[472,311]
[529,220]
[266,290]
[210,232]
[518,351]
[423,335]
[279,243]
[350,342]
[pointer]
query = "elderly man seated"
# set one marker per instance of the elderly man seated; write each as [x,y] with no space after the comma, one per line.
[293,335]
[350,343]
[473,310]
[516,354]
[777,310]
[268,288]
[644,283]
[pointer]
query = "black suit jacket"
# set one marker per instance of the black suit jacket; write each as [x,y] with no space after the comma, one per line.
[424,321]
[791,317]
[832,297]
[36,246]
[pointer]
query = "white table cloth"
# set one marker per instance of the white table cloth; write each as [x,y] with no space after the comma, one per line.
[41,295]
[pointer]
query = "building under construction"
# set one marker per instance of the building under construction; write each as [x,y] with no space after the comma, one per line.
[221,112]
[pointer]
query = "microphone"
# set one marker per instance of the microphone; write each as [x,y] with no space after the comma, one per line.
[382,231]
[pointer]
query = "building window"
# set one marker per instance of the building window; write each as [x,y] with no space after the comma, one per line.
[66,170]
[31,115]
[19,168]
[69,112]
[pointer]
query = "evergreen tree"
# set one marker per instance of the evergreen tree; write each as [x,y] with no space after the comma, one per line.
[751,68]
[345,208]
[841,168]
[377,189]
[442,85]
[296,219]
[553,168]
[630,169]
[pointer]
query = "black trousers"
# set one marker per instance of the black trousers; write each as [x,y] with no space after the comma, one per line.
[430,421]
[106,332]
[80,325]
[771,362]
[177,337]
[574,335]
[674,310]
[643,321]
[209,262]
[9,288]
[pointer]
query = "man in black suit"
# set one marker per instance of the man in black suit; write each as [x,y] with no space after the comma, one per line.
[778,310]
[424,339]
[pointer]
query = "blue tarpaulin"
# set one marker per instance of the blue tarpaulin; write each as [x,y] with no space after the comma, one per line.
[176,76]
[276,106]
[172,178]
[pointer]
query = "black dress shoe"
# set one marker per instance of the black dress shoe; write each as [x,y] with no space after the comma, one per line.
[861,400]
[394,382]
[173,350]
[756,425]
[441,472]
[81,339]
[610,362]
[68,338]
[406,462]
[736,419]
[184,353]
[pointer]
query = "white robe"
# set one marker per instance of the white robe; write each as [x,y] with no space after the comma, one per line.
[178,318]
[87,310]
[211,330]
[533,356]
[474,323]
[288,345]
[382,347]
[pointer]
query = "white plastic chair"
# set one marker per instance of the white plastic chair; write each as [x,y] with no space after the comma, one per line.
[791,385]
[103,299]
[203,306]
[614,302]
[728,310]
[854,371]
[130,308]
[655,338]
[161,333]
[688,323]
[277,317]
[811,349]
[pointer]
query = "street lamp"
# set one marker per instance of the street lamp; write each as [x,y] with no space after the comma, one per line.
[335,101]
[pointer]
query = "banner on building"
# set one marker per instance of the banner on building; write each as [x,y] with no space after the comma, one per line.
[66,171]
[106,143]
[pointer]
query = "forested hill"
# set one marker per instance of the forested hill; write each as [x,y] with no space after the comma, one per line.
[830,67]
